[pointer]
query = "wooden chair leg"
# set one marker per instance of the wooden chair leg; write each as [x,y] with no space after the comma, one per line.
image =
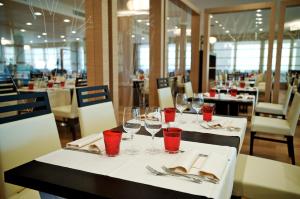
[251,142]
[290,142]
[72,128]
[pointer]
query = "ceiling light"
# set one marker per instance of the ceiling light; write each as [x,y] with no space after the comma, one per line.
[26,47]
[45,40]
[216,22]
[22,30]
[294,25]
[143,38]
[31,41]
[39,36]
[259,18]
[37,13]
[139,20]
[62,36]
[1,4]
[67,20]
[44,33]
[77,39]
[148,24]
[28,23]
[64,39]
[138,5]
[227,31]
[73,31]
[258,14]
[223,28]
[220,25]
[168,18]
[210,16]
[261,29]
[212,40]
[6,41]
[259,22]
[259,10]
[133,36]
[176,27]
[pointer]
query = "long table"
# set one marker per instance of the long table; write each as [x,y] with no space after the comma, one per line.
[75,182]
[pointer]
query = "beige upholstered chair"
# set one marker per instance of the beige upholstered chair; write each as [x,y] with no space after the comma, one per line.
[188,89]
[68,112]
[260,178]
[285,127]
[95,110]
[24,138]
[165,98]
[275,109]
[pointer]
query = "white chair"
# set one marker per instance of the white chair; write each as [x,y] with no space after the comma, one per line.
[95,110]
[284,127]
[188,89]
[165,98]
[275,109]
[69,112]
[25,137]
[260,178]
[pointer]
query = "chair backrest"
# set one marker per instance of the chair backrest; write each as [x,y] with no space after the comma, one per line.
[287,99]
[7,86]
[96,112]
[80,82]
[188,89]
[162,82]
[165,98]
[293,114]
[26,136]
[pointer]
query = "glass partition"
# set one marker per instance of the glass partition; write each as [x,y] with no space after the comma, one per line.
[42,38]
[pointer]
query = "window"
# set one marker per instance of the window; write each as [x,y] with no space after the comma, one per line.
[224,52]
[143,59]
[248,55]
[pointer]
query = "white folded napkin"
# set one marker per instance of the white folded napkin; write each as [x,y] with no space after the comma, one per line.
[191,162]
[85,141]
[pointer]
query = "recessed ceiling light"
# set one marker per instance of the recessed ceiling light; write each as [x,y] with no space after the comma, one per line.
[176,27]
[22,30]
[1,4]
[220,25]
[258,18]
[45,40]
[216,22]
[133,36]
[31,41]
[37,13]
[139,20]
[223,28]
[44,33]
[39,36]
[67,20]
[77,39]
[148,24]
[210,16]
[73,31]
[227,31]
[62,36]
[261,29]
[26,47]
[143,38]
[28,23]
[64,39]
[259,22]
[258,14]
[259,10]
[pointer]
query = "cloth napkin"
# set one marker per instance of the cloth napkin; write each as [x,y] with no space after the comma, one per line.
[191,162]
[88,140]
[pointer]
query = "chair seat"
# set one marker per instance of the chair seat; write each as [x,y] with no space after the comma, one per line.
[270,125]
[26,194]
[263,107]
[64,111]
[262,178]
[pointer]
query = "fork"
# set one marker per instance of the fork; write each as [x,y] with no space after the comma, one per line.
[159,173]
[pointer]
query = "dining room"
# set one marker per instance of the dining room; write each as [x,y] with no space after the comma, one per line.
[149,99]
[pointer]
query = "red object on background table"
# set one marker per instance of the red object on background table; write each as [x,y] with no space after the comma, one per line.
[50,84]
[172,137]
[212,92]
[30,85]
[112,141]
[242,84]
[62,83]
[233,92]
[207,111]
[170,114]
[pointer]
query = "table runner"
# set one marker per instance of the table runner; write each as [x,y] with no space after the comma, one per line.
[132,167]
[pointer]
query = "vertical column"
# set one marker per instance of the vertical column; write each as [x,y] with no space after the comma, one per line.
[206,50]
[113,54]
[262,55]
[182,40]
[156,48]
[195,51]
[97,42]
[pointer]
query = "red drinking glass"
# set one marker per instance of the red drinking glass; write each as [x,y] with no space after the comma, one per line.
[30,85]
[207,111]
[172,137]
[242,84]
[112,141]
[62,84]
[169,114]
[212,92]
[233,92]
[50,84]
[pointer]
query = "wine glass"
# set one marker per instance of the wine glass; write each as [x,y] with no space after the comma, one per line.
[153,124]
[131,124]
[197,102]
[181,103]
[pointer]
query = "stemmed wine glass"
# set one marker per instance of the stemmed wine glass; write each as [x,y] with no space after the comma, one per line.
[197,102]
[131,124]
[153,124]
[181,103]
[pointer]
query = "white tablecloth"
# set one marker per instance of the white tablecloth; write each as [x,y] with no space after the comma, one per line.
[132,167]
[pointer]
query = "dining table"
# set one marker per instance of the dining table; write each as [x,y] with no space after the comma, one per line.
[80,174]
